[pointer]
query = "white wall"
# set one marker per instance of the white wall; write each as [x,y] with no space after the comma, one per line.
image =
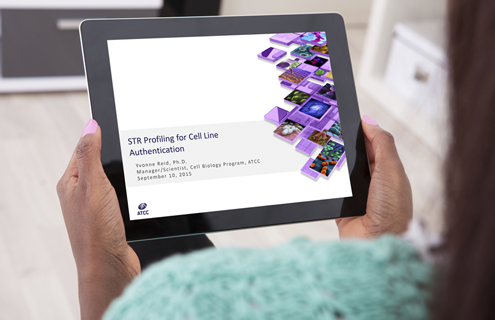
[353,11]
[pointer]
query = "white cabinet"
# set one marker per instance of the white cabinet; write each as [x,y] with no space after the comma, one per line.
[429,126]
[417,65]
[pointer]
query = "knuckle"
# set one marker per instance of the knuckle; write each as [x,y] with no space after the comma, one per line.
[84,148]
[387,137]
[61,185]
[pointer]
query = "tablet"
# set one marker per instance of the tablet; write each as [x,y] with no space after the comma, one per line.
[223,123]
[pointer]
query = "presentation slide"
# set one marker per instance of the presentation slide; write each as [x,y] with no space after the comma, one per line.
[227,122]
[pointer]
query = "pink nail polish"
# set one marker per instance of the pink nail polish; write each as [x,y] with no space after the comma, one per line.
[369,120]
[90,127]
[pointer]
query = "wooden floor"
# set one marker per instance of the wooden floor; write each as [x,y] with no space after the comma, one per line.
[38,133]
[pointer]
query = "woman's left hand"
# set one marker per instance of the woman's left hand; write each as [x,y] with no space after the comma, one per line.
[105,262]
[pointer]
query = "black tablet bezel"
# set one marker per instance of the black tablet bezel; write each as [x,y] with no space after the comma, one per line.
[94,36]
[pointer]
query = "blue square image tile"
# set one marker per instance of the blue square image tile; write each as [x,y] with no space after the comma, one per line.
[315,108]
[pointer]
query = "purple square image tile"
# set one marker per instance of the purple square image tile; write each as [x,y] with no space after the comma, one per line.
[298,41]
[334,103]
[285,38]
[309,87]
[307,132]
[315,123]
[272,54]
[318,78]
[341,161]
[299,118]
[329,124]
[305,90]
[308,171]
[319,53]
[325,99]
[322,124]
[314,86]
[335,114]
[289,85]
[306,146]
[307,67]
[276,115]
[326,66]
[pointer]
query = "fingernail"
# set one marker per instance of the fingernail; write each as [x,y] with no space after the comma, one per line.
[369,120]
[90,127]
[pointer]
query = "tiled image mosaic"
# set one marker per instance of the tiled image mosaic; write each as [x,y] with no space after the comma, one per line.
[315,116]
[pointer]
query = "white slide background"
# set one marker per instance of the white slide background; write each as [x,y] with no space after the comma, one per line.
[191,81]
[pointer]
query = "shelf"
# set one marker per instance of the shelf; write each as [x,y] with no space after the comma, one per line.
[78,4]
[72,83]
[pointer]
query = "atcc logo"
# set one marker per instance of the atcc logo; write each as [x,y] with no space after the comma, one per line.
[141,208]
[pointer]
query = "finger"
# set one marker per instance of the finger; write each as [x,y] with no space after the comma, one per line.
[381,143]
[369,150]
[71,170]
[88,153]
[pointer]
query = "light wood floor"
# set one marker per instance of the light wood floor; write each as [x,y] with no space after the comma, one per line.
[37,135]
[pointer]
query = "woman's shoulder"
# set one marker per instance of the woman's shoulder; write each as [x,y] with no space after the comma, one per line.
[380,279]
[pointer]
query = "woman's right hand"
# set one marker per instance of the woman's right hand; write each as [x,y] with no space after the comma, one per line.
[105,263]
[389,208]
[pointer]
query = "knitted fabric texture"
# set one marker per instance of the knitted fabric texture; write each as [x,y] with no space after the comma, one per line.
[354,279]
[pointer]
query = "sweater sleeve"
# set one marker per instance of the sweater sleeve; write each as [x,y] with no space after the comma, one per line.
[354,279]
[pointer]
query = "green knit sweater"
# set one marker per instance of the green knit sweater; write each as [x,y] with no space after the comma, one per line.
[353,279]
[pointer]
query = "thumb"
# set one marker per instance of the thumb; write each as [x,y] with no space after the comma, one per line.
[88,152]
[380,144]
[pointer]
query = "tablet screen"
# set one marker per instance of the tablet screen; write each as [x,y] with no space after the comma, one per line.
[217,123]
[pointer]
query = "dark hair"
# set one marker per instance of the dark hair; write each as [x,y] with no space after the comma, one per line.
[467,289]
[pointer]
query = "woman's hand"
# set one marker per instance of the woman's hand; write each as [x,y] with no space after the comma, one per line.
[389,208]
[105,262]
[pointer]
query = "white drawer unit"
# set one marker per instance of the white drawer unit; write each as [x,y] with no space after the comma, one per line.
[404,48]
[417,65]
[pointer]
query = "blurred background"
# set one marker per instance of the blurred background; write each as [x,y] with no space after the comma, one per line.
[398,55]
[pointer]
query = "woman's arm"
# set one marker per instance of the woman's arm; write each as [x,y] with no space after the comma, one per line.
[105,262]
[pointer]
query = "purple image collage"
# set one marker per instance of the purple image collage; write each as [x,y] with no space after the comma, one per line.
[313,120]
